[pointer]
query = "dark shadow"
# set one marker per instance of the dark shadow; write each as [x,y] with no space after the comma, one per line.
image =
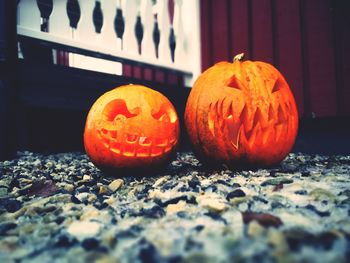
[326,136]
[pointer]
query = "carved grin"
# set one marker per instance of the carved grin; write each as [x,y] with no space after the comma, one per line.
[256,130]
[132,145]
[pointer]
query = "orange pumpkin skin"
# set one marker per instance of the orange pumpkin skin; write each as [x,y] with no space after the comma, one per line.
[131,127]
[241,114]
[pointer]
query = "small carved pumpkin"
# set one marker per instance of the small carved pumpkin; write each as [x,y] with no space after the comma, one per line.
[241,114]
[131,127]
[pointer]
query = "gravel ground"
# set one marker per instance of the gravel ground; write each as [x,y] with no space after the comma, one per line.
[60,208]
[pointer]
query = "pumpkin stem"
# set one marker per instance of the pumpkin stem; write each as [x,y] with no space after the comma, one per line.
[238,57]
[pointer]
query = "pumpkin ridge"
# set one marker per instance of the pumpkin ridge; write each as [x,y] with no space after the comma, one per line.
[221,107]
[244,117]
[234,130]
[216,118]
[197,110]
[264,69]
[270,71]
[258,124]
[279,81]
[253,83]
[212,117]
[253,135]
[271,113]
[190,112]
[266,133]
[281,116]
[258,118]
[229,112]
[279,130]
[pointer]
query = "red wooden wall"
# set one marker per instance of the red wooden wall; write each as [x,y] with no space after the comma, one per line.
[307,40]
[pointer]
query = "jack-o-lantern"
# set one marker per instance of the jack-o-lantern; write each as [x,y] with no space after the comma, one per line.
[241,114]
[131,127]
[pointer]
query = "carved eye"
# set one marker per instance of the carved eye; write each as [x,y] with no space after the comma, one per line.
[118,109]
[234,83]
[277,86]
[165,114]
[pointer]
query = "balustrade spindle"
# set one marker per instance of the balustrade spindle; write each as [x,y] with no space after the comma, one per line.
[119,27]
[45,7]
[156,37]
[97,17]
[139,32]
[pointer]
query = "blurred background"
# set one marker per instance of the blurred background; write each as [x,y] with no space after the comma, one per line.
[57,57]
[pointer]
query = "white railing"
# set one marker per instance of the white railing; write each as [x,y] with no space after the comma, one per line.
[88,35]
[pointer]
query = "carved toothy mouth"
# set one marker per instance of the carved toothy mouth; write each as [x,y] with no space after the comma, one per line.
[258,129]
[134,145]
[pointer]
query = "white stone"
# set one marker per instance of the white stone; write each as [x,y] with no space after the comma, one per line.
[82,196]
[86,178]
[84,229]
[174,208]
[115,185]
[212,202]
[160,181]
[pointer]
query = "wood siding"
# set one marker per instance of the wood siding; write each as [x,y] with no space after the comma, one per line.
[307,40]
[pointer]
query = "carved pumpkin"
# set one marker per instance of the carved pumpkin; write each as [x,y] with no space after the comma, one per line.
[131,127]
[241,114]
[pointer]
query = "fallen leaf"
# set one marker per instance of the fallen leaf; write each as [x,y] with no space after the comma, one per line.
[263,219]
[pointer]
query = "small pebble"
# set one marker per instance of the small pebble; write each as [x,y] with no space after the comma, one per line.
[69,188]
[82,196]
[102,190]
[65,241]
[194,183]
[3,192]
[212,203]
[235,193]
[160,182]
[90,243]
[154,212]
[301,192]
[277,181]
[84,229]
[115,185]
[320,194]
[174,208]
[86,178]
[12,205]
[255,229]
[4,227]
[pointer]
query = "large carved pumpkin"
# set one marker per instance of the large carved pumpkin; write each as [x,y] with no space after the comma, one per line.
[131,127]
[241,114]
